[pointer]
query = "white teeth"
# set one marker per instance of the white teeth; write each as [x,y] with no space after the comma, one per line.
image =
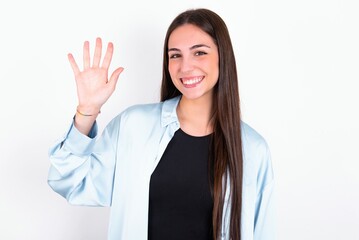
[191,81]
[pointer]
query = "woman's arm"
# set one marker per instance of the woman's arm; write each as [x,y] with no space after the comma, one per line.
[265,217]
[82,166]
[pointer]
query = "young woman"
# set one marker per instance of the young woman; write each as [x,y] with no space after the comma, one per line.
[184,168]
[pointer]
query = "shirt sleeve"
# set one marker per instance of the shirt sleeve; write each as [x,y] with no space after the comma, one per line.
[82,167]
[265,217]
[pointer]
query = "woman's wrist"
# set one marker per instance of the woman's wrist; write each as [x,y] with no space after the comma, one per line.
[87,111]
[87,114]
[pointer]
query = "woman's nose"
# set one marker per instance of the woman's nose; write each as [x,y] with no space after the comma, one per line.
[187,64]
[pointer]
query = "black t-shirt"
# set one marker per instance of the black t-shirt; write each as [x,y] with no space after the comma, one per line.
[180,200]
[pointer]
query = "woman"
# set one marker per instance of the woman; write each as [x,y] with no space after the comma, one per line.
[184,168]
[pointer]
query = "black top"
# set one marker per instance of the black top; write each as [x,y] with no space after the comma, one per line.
[180,200]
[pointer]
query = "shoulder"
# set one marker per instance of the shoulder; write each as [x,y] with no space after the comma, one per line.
[138,110]
[136,120]
[150,113]
[152,109]
[160,112]
[253,139]
[139,115]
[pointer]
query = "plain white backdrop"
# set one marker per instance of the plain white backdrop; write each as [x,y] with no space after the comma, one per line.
[298,63]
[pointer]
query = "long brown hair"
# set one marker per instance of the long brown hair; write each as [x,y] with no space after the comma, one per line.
[226,144]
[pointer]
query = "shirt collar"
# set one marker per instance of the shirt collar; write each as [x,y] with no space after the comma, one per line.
[169,113]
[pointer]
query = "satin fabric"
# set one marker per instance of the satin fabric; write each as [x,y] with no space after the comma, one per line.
[114,169]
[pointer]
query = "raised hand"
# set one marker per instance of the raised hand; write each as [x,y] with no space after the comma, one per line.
[93,86]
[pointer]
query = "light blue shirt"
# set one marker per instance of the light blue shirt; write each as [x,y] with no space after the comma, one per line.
[114,169]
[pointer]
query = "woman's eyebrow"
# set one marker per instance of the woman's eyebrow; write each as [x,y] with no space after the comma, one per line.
[173,49]
[198,46]
[191,48]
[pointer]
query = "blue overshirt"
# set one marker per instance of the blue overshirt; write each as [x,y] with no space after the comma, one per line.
[114,169]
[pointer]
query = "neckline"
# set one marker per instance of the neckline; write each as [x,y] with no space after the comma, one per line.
[192,136]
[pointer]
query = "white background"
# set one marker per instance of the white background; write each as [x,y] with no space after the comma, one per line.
[298,63]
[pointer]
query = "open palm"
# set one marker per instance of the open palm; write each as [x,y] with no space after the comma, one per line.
[93,86]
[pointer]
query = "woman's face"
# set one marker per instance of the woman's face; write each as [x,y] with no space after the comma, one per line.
[193,62]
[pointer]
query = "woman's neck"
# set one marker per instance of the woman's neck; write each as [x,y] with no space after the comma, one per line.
[195,116]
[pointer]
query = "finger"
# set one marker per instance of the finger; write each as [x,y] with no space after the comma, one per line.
[73,63]
[108,56]
[86,55]
[97,54]
[114,77]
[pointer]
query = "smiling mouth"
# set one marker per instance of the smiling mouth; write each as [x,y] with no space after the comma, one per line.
[191,82]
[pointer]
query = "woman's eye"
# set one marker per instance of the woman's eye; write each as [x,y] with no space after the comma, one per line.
[175,55]
[200,53]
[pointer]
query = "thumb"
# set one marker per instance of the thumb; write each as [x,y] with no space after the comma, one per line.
[114,77]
